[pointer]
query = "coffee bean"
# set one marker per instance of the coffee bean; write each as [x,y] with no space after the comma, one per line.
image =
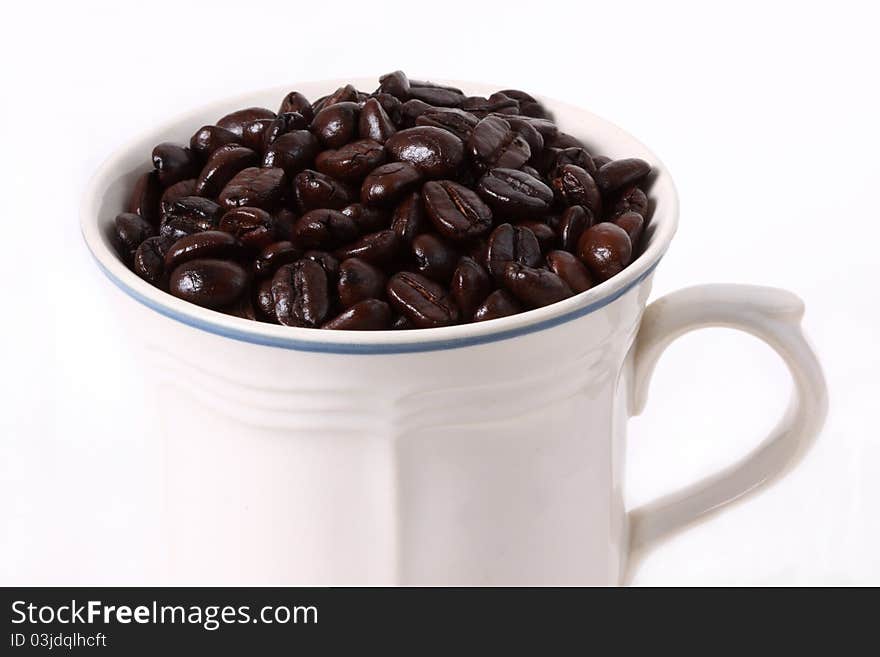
[577,156]
[514,193]
[209,138]
[391,105]
[273,256]
[366,315]
[130,230]
[411,110]
[280,126]
[344,94]
[388,183]
[208,282]
[621,173]
[456,211]
[252,225]
[284,220]
[574,221]
[534,287]
[234,122]
[396,84]
[434,258]
[436,152]
[527,104]
[528,132]
[367,220]
[296,102]
[606,249]
[255,133]
[500,303]
[379,248]
[293,152]
[574,186]
[190,214]
[222,166]
[174,192]
[359,280]
[571,270]
[374,122]
[314,190]
[600,161]
[632,223]
[352,162]
[300,294]
[208,244]
[496,103]
[422,301]
[545,235]
[145,197]
[255,187]
[437,96]
[336,125]
[470,286]
[264,304]
[408,219]
[456,121]
[323,229]
[563,140]
[631,198]
[174,163]
[509,244]
[149,258]
[494,143]
[329,263]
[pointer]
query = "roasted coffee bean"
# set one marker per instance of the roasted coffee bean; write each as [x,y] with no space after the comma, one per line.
[149,258]
[234,122]
[606,249]
[284,221]
[497,102]
[190,214]
[208,282]
[281,125]
[222,166]
[411,110]
[352,162]
[329,263]
[243,307]
[401,323]
[600,161]
[494,143]
[300,293]
[264,304]
[545,235]
[254,134]
[145,197]
[275,255]
[571,270]
[314,191]
[434,258]
[456,211]
[174,163]
[293,151]
[208,244]
[367,315]
[252,225]
[577,156]
[367,220]
[379,248]
[209,138]
[296,102]
[345,94]
[359,280]
[574,221]
[386,184]
[574,186]
[130,230]
[323,229]
[532,171]
[534,287]
[563,140]
[514,193]
[437,96]
[396,84]
[374,122]
[456,121]
[621,173]
[633,199]
[546,128]
[500,303]
[422,301]
[336,125]
[408,219]
[528,132]
[633,223]
[391,105]
[470,286]
[255,187]
[511,244]
[436,152]
[176,191]
[527,104]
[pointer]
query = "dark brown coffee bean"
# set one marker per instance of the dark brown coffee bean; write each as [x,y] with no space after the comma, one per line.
[174,163]
[280,126]
[329,263]
[456,211]
[208,283]
[434,258]
[234,122]
[253,226]
[336,125]
[323,229]
[367,220]
[633,199]
[605,249]
[436,152]
[284,220]
[130,230]
[208,244]
[367,315]
[293,151]
[534,287]
[563,140]
[571,270]
[500,303]
[574,186]
[374,122]
[296,102]
[255,187]
[275,255]
[344,94]
[379,248]
[190,214]
[408,219]
[145,197]
[174,192]
[621,173]
[470,286]
[545,235]
[456,121]
[532,171]
[422,301]
[574,221]
[437,96]
[600,161]
[514,193]
[527,104]
[529,132]
[511,244]
[300,293]
[577,156]
[411,110]
[391,105]
[388,183]
[396,84]
[222,166]
[633,223]
[497,103]
[254,134]
[359,280]
[494,143]
[149,259]
[352,162]
[264,304]
[314,191]
[209,138]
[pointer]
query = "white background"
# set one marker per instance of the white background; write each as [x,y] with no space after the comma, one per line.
[765,113]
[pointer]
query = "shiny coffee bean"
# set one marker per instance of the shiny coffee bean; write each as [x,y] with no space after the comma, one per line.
[456,121]
[606,249]
[379,248]
[386,184]
[396,84]
[621,173]
[273,256]
[323,229]
[176,191]
[527,104]
[574,221]
[509,244]
[374,122]
[534,287]
[294,151]
[500,303]
[344,94]
[336,125]
[145,197]
[577,156]
[258,187]
[545,235]
[367,220]
[149,258]
[494,143]
[234,122]
[222,166]
[408,219]
[280,126]
[264,304]
[411,110]
[296,102]
[352,162]
[190,214]
[366,315]
[456,211]
[633,223]
[207,282]
[528,132]
[436,152]
[514,193]
[437,96]
[314,190]
[631,198]
[571,270]
[208,244]
[434,258]
[470,286]
[391,105]
[329,263]
[252,225]
[300,294]
[209,138]
[254,134]
[496,103]
[130,230]
[174,163]
[359,280]
[422,301]
[574,186]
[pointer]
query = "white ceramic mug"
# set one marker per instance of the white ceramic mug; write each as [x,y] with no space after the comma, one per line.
[457,455]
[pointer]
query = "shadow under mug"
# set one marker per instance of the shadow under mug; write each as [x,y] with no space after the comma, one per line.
[445,456]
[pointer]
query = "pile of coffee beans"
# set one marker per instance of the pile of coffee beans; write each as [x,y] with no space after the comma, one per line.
[414,206]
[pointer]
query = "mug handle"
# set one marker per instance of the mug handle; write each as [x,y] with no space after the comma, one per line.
[770,314]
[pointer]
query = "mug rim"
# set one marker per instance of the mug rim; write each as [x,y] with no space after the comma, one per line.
[664,222]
